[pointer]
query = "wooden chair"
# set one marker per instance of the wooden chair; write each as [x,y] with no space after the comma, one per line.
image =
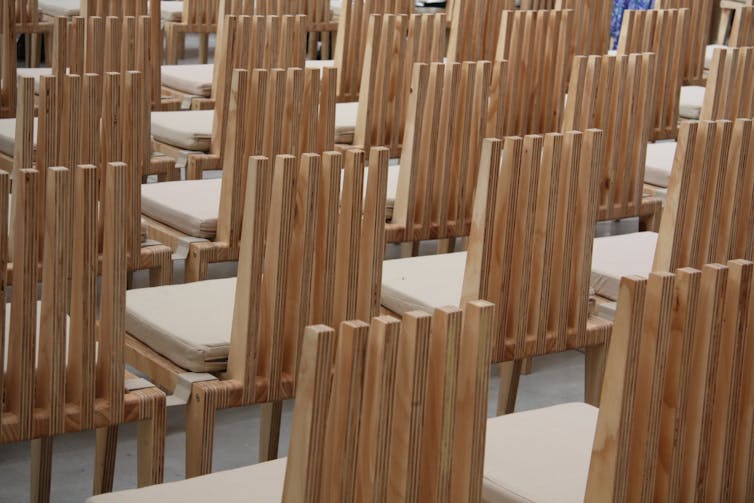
[321,28]
[307,255]
[674,422]
[29,22]
[699,19]
[199,16]
[431,191]
[535,44]
[66,373]
[730,10]
[707,216]
[664,33]
[529,249]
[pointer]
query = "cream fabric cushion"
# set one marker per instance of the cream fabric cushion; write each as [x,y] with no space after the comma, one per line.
[189,130]
[171,11]
[345,121]
[423,283]
[189,206]
[262,483]
[8,135]
[65,8]
[691,101]
[320,63]
[659,164]
[616,256]
[191,79]
[540,455]
[709,52]
[189,324]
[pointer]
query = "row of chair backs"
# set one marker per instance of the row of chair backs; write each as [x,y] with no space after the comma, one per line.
[709,215]
[291,275]
[699,20]
[530,246]
[730,89]
[441,149]
[351,43]
[664,33]
[536,45]
[399,416]
[65,369]
[393,45]
[675,419]
[615,94]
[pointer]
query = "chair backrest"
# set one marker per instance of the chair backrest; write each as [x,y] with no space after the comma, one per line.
[675,419]
[700,19]
[530,248]
[730,87]
[615,94]
[72,362]
[709,213]
[536,4]
[591,25]
[474,28]
[248,43]
[399,416]
[536,45]
[742,33]
[26,15]
[284,260]
[441,149]
[663,32]
[117,8]
[351,42]
[394,44]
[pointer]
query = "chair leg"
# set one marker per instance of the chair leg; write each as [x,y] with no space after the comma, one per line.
[594,372]
[410,249]
[171,46]
[151,448]
[197,264]
[203,48]
[650,222]
[269,431]
[104,459]
[510,373]
[446,245]
[526,366]
[35,51]
[41,469]
[200,430]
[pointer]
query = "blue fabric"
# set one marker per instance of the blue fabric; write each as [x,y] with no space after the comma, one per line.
[621,5]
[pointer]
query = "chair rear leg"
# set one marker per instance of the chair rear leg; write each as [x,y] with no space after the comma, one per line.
[104,459]
[41,469]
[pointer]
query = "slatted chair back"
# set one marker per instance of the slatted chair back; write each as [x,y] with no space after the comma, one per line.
[8,61]
[117,8]
[708,216]
[742,33]
[615,94]
[730,91]
[394,44]
[663,32]
[536,4]
[699,20]
[399,415]
[474,28]
[536,45]
[322,27]
[675,420]
[26,15]
[531,241]
[442,148]
[591,25]
[197,13]
[281,259]
[351,42]
[270,113]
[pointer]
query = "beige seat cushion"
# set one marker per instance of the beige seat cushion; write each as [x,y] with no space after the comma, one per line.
[691,101]
[171,11]
[262,483]
[189,130]
[320,63]
[8,135]
[709,52]
[189,206]
[65,8]
[540,455]
[660,158]
[616,256]
[189,324]
[191,79]
[345,121]
[423,283]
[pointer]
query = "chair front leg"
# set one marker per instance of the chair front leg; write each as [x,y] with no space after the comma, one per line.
[200,429]
[151,447]
[510,374]
[269,431]
[41,469]
[104,459]
[594,371]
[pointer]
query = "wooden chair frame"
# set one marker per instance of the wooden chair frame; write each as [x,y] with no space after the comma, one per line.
[699,20]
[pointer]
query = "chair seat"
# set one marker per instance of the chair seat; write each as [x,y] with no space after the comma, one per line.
[8,135]
[192,79]
[189,324]
[188,130]
[540,455]
[691,101]
[659,164]
[616,256]
[262,483]
[345,121]
[189,206]
[709,52]
[171,11]
[67,8]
